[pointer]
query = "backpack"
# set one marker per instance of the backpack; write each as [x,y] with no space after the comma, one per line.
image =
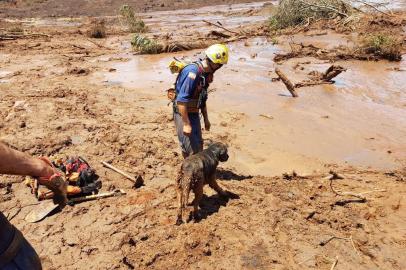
[176,66]
[79,173]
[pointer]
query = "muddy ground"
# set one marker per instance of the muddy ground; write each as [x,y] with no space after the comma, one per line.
[61,8]
[63,93]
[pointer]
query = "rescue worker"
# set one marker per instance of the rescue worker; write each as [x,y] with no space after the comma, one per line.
[191,95]
[15,251]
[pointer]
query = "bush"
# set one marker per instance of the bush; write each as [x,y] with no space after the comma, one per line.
[386,46]
[15,29]
[132,22]
[145,45]
[97,29]
[296,12]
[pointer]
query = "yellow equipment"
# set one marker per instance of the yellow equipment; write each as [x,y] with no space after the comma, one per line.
[218,54]
[175,66]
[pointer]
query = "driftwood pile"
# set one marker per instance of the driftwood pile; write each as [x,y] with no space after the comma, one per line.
[318,78]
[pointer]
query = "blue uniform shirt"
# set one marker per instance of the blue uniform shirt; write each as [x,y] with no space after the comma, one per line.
[187,83]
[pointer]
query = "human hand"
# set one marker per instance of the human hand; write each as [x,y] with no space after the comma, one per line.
[53,179]
[187,129]
[207,125]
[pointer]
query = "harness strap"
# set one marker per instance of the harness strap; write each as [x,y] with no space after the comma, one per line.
[11,252]
[193,104]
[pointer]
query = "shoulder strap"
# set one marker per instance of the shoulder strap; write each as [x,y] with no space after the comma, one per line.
[199,71]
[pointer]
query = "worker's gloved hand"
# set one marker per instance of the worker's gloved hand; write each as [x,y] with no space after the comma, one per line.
[187,129]
[55,181]
[207,125]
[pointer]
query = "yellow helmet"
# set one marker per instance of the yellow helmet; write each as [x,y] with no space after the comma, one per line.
[218,53]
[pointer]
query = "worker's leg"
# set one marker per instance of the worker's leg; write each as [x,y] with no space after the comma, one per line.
[15,251]
[26,258]
[194,143]
[196,140]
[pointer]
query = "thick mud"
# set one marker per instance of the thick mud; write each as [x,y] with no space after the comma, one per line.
[65,95]
[337,123]
[61,8]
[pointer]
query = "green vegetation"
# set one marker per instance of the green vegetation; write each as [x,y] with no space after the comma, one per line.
[145,45]
[133,23]
[97,29]
[16,29]
[384,45]
[296,12]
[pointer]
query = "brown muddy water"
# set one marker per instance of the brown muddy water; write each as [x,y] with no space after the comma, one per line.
[360,120]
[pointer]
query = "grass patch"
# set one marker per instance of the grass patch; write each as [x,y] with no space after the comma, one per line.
[133,23]
[145,45]
[384,45]
[97,29]
[16,29]
[296,12]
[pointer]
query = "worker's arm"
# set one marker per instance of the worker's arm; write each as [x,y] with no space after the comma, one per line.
[187,128]
[18,163]
[206,118]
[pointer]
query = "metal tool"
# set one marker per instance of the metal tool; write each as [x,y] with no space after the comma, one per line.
[138,181]
[45,208]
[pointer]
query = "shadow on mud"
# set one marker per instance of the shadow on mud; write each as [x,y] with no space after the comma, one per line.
[211,204]
[224,174]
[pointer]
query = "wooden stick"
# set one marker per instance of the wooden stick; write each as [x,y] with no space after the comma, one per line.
[332,72]
[372,6]
[325,242]
[289,85]
[219,26]
[357,195]
[136,180]
[334,263]
[98,196]
[311,83]
[266,116]
[353,245]
[98,45]
[219,34]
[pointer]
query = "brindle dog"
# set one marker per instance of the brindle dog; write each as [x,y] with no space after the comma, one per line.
[196,171]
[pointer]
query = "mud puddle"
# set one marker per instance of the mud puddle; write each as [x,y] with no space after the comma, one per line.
[229,15]
[343,123]
[48,22]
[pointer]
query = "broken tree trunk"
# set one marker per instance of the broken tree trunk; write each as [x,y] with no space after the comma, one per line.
[332,72]
[322,78]
[289,85]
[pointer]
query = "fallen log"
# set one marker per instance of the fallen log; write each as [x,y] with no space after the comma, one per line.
[332,72]
[14,36]
[322,78]
[219,34]
[289,85]
[222,27]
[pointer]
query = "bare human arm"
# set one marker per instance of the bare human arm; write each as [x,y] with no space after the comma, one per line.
[18,163]
[206,118]
[187,128]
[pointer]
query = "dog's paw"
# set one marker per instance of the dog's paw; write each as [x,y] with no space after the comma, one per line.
[197,217]
[232,195]
[179,222]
